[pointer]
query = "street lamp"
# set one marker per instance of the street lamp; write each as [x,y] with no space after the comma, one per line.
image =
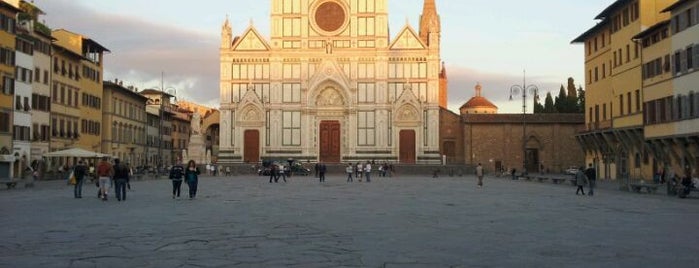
[161,114]
[523,89]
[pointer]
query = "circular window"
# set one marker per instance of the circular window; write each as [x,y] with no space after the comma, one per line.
[330,17]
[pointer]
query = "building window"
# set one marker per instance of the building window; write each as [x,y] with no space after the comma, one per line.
[291,93]
[596,74]
[4,122]
[604,112]
[690,56]
[621,104]
[291,6]
[366,129]
[291,128]
[365,6]
[366,93]
[638,100]
[628,101]
[292,27]
[366,26]
[8,85]
[604,70]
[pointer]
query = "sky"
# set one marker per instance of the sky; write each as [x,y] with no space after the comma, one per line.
[483,41]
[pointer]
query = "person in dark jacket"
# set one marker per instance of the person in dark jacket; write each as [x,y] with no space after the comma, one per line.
[592,178]
[273,173]
[321,171]
[191,174]
[79,172]
[176,175]
[580,181]
[121,179]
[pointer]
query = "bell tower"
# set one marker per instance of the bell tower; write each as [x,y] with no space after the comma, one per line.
[226,35]
[430,25]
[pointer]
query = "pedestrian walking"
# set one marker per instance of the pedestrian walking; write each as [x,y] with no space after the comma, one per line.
[105,171]
[176,175]
[121,179]
[591,174]
[282,174]
[321,171]
[273,173]
[349,171]
[79,172]
[317,169]
[580,181]
[479,174]
[367,171]
[191,174]
[360,171]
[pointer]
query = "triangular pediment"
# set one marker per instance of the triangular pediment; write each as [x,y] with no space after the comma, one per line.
[251,41]
[407,39]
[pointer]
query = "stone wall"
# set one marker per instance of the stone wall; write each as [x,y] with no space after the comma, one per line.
[496,140]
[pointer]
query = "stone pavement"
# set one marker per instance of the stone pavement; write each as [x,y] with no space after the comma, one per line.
[408,221]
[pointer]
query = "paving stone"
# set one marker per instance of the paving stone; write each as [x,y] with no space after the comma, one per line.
[407,221]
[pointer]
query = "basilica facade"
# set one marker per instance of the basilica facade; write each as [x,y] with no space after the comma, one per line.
[330,84]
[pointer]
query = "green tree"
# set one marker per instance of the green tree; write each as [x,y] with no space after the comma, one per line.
[581,100]
[538,107]
[561,102]
[549,107]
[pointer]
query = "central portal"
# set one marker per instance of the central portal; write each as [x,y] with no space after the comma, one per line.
[330,141]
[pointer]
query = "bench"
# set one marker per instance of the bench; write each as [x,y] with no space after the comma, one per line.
[558,180]
[11,183]
[639,187]
[541,178]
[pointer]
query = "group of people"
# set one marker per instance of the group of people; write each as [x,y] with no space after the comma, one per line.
[364,171]
[189,174]
[585,177]
[276,172]
[107,174]
[119,175]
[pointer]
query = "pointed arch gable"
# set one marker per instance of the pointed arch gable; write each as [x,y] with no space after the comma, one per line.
[407,39]
[329,71]
[251,40]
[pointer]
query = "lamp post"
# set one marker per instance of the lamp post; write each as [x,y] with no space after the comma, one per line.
[161,114]
[523,89]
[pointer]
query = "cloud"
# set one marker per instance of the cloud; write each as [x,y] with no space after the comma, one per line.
[141,51]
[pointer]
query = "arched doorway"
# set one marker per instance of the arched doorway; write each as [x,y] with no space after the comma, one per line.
[330,104]
[531,155]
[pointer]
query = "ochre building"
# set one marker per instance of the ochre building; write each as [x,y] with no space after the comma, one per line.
[616,91]
[332,84]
